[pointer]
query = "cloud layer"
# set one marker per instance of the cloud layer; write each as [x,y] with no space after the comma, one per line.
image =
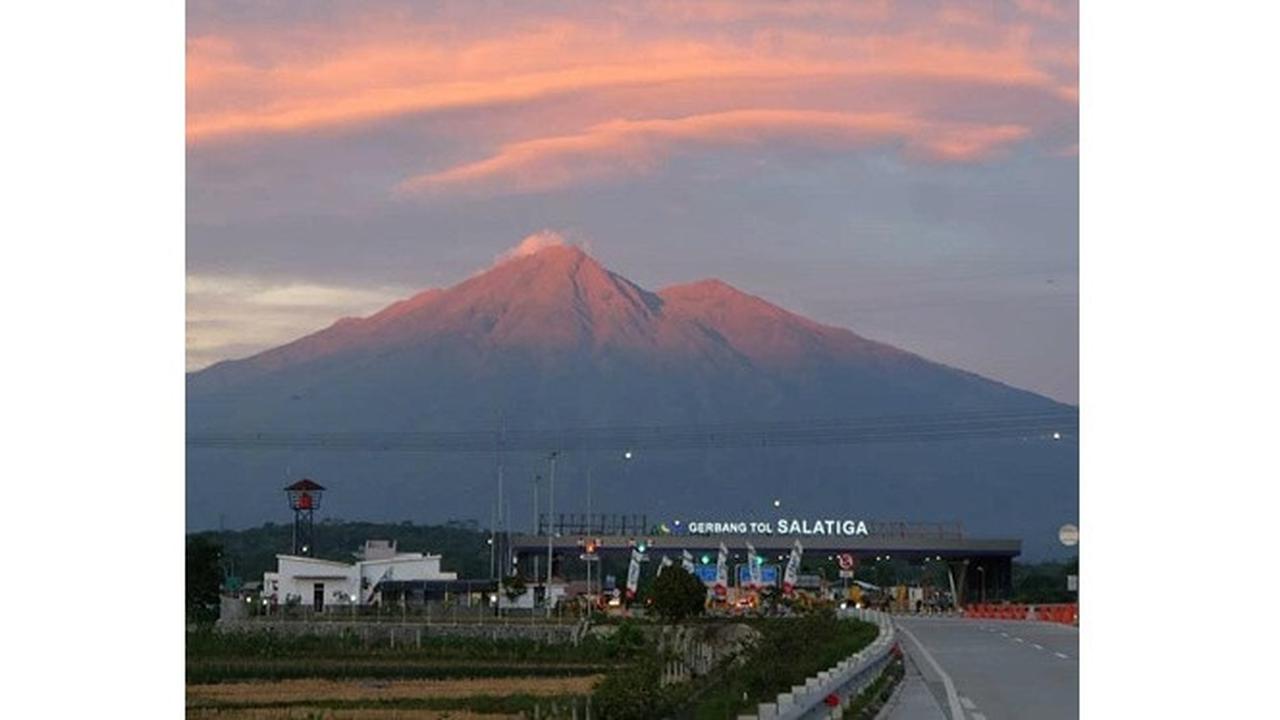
[570,93]
[232,316]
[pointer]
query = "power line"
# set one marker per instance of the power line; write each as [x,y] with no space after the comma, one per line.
[1048,425]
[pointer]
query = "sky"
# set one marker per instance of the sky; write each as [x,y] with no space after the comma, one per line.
[908,170]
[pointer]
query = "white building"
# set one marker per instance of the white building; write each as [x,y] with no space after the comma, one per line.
[317,583]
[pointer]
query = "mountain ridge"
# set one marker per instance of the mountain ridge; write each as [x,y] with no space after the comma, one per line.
[553,340]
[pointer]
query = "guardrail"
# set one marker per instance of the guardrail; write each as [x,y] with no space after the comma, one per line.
[829,693]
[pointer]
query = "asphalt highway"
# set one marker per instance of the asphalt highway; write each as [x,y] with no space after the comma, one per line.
[988,670]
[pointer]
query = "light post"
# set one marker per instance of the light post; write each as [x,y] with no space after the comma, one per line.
[590,475]
[533,530]
[551,531]
[982,575]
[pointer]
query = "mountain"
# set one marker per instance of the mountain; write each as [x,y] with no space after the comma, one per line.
[553,340]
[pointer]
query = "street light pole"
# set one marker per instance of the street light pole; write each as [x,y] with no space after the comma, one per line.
[533,530]
[551,531]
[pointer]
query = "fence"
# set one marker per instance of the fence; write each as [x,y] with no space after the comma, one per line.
[236,610]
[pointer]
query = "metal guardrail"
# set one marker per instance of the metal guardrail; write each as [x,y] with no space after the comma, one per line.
[844,681]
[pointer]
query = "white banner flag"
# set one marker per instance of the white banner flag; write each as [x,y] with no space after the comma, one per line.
[686,559]
[722,573]
[793,568]
[666,563]
[633,574]
[753,567]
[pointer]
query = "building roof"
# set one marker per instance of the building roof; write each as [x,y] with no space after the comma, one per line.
[315,560]
[306,484]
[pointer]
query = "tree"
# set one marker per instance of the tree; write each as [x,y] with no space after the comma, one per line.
[204,575]
[513,586]
[678,594]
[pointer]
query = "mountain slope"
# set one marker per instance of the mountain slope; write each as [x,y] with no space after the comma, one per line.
[554,340]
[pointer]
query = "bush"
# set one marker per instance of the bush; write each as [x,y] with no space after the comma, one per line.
[634,693]
[204,575]
[678,594]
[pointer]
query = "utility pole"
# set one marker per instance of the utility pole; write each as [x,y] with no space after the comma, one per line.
[551,523]
[533,530]
[494,535]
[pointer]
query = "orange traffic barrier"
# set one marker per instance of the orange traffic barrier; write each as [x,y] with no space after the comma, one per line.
[1064,613]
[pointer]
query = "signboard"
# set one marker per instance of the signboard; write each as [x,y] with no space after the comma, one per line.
[1073,583]
[1069,535]
[847,574]
[768,575]
[782,526]
[706,573]
[846,561]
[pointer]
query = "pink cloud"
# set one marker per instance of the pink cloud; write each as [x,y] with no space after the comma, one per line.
[628,147]
[612,90]
[246,85]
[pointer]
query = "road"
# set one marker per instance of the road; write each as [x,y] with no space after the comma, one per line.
[988,670]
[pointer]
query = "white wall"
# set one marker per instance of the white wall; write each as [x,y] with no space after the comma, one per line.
[297,576]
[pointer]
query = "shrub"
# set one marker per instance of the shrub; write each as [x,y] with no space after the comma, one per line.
[678,594]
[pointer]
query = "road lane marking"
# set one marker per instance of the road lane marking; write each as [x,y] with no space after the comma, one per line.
[1064,657]
[1004,634]
[968,704]
[1038,647]
[952,698]
[979,716]
[1019,640]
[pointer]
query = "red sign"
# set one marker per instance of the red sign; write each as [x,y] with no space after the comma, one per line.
[847,561]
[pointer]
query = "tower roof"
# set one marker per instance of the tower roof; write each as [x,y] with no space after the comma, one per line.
[305,484]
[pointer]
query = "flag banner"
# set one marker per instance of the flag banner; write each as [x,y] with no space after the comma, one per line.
[722,572]
[753,567]
[666,563]
[687,561]
[793,569]
[633,575]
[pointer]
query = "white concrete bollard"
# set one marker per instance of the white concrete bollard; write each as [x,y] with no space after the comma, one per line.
[767,711]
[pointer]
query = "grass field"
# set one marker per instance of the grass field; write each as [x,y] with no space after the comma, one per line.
[314,677]
[248,693]
[316,698]
[265,675]
[319,713]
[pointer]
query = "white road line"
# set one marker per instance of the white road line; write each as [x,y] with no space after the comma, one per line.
[1038,647]
[1019,640]
[979,716]
[952,699]
[1003,634]
[967,703]
[1064,657]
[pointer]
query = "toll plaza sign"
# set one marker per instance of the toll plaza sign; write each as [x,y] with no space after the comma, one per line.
[781,526]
